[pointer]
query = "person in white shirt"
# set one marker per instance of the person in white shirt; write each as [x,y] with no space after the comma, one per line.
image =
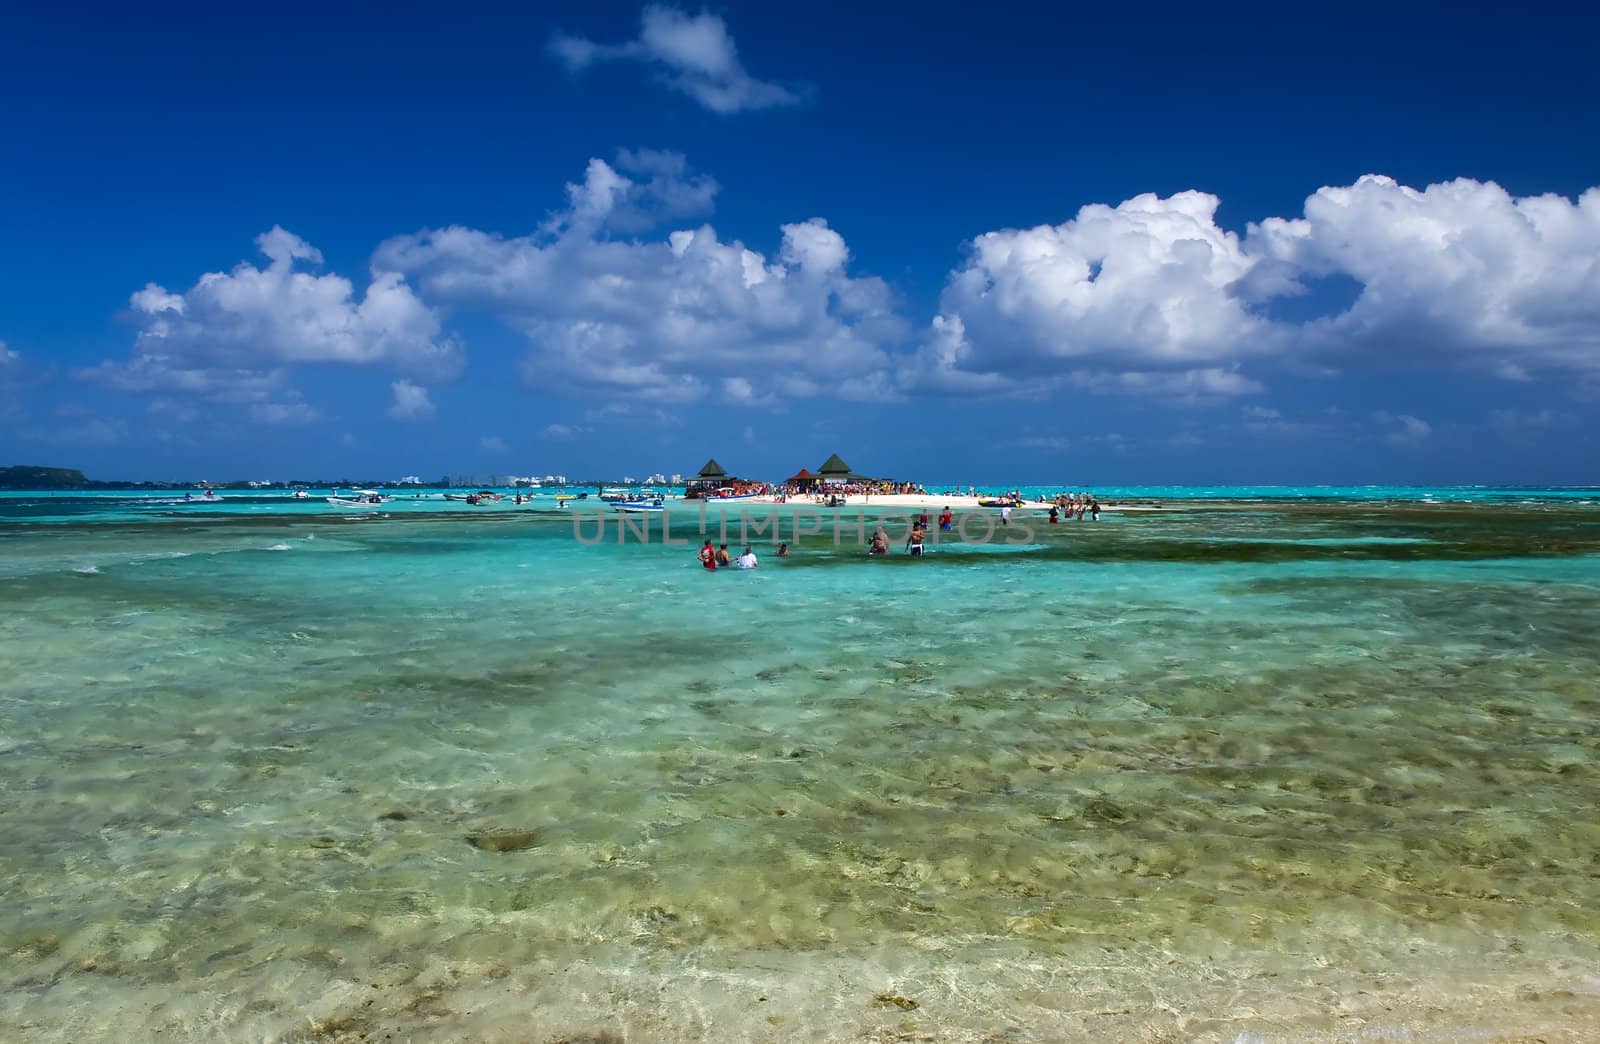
[747,560]
[1005,515]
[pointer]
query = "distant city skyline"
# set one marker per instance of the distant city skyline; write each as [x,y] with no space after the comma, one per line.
[1082,246]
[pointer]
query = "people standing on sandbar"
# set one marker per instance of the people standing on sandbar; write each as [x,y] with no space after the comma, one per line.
[723,558]
[708,557]
[945,519]
[918,533]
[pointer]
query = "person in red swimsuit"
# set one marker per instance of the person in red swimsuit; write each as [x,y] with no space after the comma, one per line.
[708,557]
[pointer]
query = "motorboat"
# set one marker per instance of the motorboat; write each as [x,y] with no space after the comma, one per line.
[641,506]
[617,497]
[362,498]
[725,494]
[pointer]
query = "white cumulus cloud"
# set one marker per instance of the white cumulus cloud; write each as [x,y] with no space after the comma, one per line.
[1152,296]
[1460,272]
[279,315]
[692,54]
[559,432]
[668,319]
[1404,430]
[234,335]
[411,401]
[1135,297]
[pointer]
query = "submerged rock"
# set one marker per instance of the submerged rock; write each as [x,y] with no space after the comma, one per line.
[1103,810]
[396,816]
[894,1000]
[504,840]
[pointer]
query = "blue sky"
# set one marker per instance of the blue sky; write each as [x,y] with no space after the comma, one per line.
[1041,244]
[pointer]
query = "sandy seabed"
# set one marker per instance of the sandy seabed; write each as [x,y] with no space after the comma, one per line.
[609,995]
[1321,774]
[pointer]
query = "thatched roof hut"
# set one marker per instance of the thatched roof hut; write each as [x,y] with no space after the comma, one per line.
[711,478]
[834,470]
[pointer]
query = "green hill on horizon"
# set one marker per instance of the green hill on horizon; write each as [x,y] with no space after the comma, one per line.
[29,476]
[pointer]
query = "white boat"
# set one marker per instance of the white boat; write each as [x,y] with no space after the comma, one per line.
[617,497]
[725,494]
[364,498]
[641,506]
[299,494]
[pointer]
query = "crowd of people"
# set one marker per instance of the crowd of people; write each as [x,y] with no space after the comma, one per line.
[1075,505]
[825,492]
[1078,504]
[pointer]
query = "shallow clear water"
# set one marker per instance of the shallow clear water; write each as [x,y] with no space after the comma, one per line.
[1299,770]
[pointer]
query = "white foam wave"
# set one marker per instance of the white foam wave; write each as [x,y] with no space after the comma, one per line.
[278,547]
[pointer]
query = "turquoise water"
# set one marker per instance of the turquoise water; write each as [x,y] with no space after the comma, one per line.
[1259,766]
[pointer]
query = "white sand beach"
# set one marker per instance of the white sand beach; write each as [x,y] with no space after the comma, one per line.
[933,502]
